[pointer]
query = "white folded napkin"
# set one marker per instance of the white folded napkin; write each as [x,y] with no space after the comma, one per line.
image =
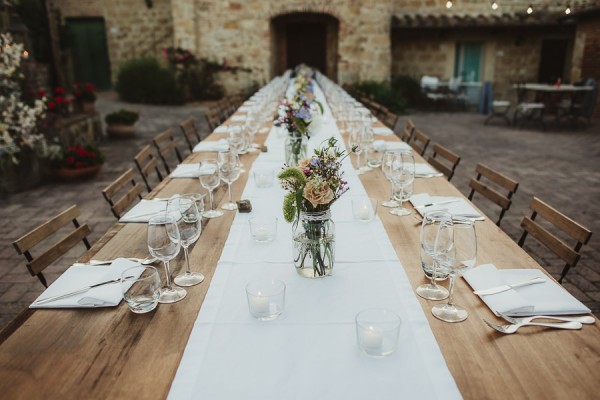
[221,129]
[244,109]
[547,298]
[238,118]
[213,145]
[425,170]
[80,276]
[186,171]
[381,145]
[144,210]
[460,208]
[382,131]
[362,110]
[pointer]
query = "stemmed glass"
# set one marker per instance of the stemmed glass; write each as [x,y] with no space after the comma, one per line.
[184,210]
[386,168]
[402,175]
[455,251]
[229,171]
[354,141]
[237,142]
[164,243]
[429,229]
[366,141]
[209,179]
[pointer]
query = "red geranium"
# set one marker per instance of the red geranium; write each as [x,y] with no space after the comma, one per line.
[77,157]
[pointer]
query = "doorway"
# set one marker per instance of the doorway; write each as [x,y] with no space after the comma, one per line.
[308,38]
[87,39]
[552,60]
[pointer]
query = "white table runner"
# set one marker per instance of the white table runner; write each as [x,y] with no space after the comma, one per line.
[310,351]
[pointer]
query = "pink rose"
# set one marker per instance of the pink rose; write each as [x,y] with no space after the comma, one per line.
[304,163]
[318,193]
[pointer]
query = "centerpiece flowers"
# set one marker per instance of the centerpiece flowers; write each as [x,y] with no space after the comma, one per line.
[313,186]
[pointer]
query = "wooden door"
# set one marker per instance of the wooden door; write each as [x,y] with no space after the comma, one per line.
[87,39]
[307,43]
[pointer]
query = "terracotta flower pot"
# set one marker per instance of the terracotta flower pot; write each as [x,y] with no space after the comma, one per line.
[77,174]
[120,130]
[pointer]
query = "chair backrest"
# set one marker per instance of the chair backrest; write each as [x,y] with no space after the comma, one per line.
[406,135]
[576,231]
[390,120]
[212,118]
[24,245]
[419,141]
[166,146]
[146,162]
[190,133]
[444,160]
[490,193]
[121,204]
[407,132]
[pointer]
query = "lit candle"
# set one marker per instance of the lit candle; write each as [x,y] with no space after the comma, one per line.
[261,233]
[372,338]
[363,212]
[260,304]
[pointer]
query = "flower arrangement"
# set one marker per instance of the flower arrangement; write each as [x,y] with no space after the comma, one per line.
[316,183]
[124,117]
[19,120]
[84,92]
[59,103]
[77,157]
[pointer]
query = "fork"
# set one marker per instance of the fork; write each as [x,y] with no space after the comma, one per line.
[584,320]
[513,328]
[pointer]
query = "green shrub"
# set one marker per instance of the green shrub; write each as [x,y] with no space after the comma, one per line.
[144,80]
[122,117]
[383,94]
[410,89]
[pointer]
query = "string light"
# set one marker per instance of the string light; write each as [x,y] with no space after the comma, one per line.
[25,54]
[530,9]
[448,4]
[568,10]
[494,5]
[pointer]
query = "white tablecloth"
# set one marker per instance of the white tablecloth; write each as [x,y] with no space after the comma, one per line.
[310,351]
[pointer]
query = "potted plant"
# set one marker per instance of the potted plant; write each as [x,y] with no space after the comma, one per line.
[77,162]
[121,123]
[85,96]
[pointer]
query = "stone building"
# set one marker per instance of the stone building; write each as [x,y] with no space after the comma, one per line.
[350,40]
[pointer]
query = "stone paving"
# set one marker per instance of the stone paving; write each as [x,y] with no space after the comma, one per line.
[561,167]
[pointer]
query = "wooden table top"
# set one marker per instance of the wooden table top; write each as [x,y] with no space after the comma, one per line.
[114,353]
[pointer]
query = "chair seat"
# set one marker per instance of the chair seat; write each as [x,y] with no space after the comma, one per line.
[531,106]
[436,96]
[501,103]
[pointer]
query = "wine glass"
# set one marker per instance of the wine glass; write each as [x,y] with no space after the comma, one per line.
[455,251]
[429,228]
[237,142]
[164,243]
[366,141]
[386,164]
[229,171]
[354,141]
[402,175]
[184,210]
[209,179]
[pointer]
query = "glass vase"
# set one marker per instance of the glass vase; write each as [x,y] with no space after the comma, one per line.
[295,149]
[314,244]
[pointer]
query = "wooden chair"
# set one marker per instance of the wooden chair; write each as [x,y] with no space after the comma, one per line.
[190,133]
[166,146]
[146,162]
[407,132]
[444,160]
[390,120]
[24,245]
[501,181]
[419,141]
[120,185]
[212,118]
[563,223]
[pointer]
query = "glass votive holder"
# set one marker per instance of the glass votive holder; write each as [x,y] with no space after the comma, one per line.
[263,229]
[364,209]
[263,177]
[140,286]
[374,157]
[377,331]
[266,298]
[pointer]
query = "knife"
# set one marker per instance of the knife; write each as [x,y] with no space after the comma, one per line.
[504,288]
[437,203]
[78,291]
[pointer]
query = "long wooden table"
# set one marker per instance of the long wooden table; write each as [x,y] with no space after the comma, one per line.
[113,353]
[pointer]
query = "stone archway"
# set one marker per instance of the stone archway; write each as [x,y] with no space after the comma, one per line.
[304,37]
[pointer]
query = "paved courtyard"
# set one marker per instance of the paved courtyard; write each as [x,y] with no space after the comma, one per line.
[560,166]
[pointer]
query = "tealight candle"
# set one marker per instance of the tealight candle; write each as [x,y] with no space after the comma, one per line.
[363,212]
[261,234]
[372,338]
[263,229]
[259,303]
[266,299]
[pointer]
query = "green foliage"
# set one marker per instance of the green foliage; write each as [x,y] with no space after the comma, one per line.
[410,89]
[383,94]
[289,207]
[122,117]
[144,80]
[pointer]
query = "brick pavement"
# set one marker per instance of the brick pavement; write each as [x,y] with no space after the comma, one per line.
[561,167]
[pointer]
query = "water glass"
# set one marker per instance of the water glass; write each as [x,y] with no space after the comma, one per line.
[210,180]
[266,298]
[364,209]
[263,229]
[402,174]
[141,288]
[374,157]
[429,229]
[377,331]
[263,177]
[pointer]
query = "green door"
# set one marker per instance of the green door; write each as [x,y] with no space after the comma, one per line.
[468,61]
[87,38]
